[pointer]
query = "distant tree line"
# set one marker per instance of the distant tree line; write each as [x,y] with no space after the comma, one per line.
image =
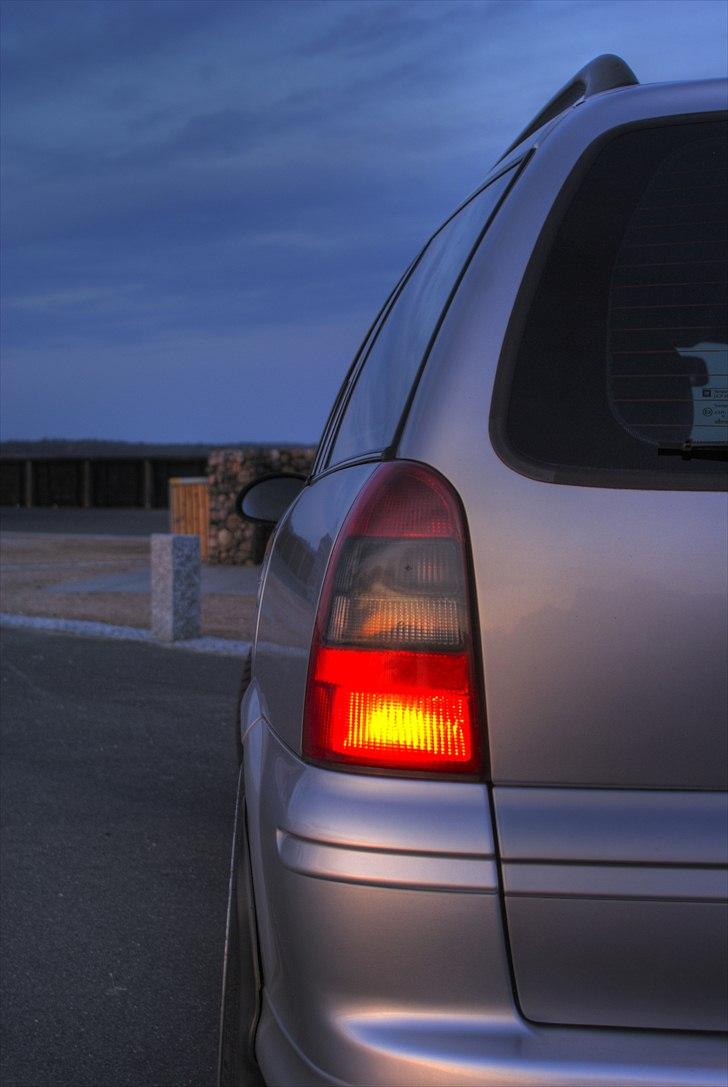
[90,448]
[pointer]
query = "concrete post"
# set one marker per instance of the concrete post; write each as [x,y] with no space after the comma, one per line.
[176,597]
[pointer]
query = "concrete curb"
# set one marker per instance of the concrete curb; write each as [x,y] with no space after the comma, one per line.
[227,646]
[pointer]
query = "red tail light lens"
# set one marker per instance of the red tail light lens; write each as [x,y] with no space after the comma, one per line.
[391,678]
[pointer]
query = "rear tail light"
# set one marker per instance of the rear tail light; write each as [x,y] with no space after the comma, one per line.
[391,680]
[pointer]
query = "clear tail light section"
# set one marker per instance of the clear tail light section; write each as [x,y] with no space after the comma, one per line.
[391,680]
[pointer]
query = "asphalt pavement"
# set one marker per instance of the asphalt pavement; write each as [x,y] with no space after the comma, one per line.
[118,785]
[94,522]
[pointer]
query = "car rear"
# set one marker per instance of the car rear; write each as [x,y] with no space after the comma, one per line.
[485,744]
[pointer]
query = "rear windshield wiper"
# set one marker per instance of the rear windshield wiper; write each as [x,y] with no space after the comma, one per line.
[689,451]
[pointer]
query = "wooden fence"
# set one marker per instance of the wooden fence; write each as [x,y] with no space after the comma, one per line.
[189,509]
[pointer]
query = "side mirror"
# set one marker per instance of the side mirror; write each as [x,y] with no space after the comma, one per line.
[265,500]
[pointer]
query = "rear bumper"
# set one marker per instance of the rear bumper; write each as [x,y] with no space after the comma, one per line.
[382,945]
[452,1052]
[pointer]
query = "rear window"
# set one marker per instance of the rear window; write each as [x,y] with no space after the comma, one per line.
[383,385]
[620,374]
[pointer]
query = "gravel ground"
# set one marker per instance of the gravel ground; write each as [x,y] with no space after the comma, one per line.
[33,568]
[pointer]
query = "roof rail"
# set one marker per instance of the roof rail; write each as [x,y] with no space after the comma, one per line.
[604,73]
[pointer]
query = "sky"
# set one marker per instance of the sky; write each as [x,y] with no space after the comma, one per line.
[205,203]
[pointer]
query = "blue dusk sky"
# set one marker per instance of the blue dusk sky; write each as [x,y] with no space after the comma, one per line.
[204,203]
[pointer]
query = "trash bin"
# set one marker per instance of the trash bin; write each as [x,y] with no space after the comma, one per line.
[189,509]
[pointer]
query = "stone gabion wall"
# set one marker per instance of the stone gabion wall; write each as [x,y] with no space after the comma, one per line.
[232,541]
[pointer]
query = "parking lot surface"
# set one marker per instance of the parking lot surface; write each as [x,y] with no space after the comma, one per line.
[118,785]
[107,579]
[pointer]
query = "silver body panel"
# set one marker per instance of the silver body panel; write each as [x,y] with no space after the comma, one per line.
[388,964]
[388,908]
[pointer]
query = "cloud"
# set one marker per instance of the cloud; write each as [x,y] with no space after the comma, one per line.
[64,42]
[74,297]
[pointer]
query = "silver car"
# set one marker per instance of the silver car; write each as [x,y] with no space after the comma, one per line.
[482,819]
